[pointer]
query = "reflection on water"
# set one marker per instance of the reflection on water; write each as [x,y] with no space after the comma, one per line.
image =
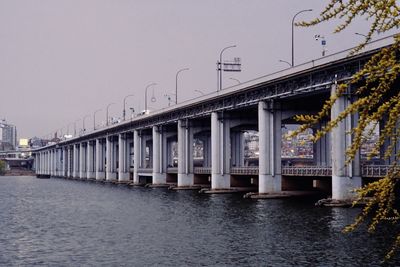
[70,223]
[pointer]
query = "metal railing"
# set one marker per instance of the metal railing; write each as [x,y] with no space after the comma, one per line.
[307,171]
[172,170]
[202,170]
[145,170]
[244,170]
[375,170]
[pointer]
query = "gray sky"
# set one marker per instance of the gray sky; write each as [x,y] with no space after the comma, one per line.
[64,59]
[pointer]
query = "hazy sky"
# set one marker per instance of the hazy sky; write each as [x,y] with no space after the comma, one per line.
[64,59]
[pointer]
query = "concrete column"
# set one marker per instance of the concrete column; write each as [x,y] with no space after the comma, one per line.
[100,173]
[123,170]
[136,156]
[82,161]
[90,172]
[345,178]
[237,146]
[322,150]
[159,176]
[270,139]
[220,152]
[110,159]
[185,154]
[75,160]
[64,162]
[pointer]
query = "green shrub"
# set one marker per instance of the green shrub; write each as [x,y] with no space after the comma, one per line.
[2,167]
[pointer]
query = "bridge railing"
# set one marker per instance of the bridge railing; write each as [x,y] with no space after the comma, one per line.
[376,170]
[145,170]
[307,171]
[172,170]
[202,170]
[244,170]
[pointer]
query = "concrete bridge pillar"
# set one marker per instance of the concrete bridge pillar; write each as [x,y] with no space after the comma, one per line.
[123,158]
[136,156]
[322,149]
[48,163]
[64,161]
[90,160]
[220,152]
[82,161]
[75,170]
[58,162]
[345,178]
[185,154]
[159,175]
[100,172]
[110,159]
[237,139]
[270,139]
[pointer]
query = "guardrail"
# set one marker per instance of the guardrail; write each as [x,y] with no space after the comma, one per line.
[244,170]
[172,170]
[202,170]
[307,171]
[145,170]
[376,170]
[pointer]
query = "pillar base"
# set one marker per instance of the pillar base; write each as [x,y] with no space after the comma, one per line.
[136,178]
[159,178]
[90,175]
[269,184]
[123,176]
[220,181]
[100,176]
[342,187]
[185,179]
[75,175]
[111,176]
[82,175]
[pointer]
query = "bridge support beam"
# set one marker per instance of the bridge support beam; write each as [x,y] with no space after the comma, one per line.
[220,152]
[269,130]
[136,156]
[185,154]
[100,173]
[345,178]
[159,175]
[123,158]
[110,159]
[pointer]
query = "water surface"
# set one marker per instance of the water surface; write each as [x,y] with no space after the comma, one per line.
[56,222]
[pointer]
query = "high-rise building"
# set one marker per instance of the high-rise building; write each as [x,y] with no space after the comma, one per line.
[8,134]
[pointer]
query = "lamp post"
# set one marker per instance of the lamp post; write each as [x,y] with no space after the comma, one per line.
[94,119]
[145,96]
[75,126]
[220,65]
[108,106]
[363,35]
[83,122]
[305,10]
[176,84]
[284,61]
[123,112]
[200,92]
[236,80]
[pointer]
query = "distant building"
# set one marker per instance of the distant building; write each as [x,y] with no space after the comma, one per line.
[8,135]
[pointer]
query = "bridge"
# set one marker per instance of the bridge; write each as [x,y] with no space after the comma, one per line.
[139,150]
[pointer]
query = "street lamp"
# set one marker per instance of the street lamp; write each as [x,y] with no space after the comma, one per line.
[94,119]
[236,80]
[356,33]
[305,10]
[176,84]
[199,91]
[284,61]
[220,65]
[123,112]
[75,126]
[83,122]
[108,106]
[145,96]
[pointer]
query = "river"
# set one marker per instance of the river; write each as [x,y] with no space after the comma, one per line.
[56,222]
